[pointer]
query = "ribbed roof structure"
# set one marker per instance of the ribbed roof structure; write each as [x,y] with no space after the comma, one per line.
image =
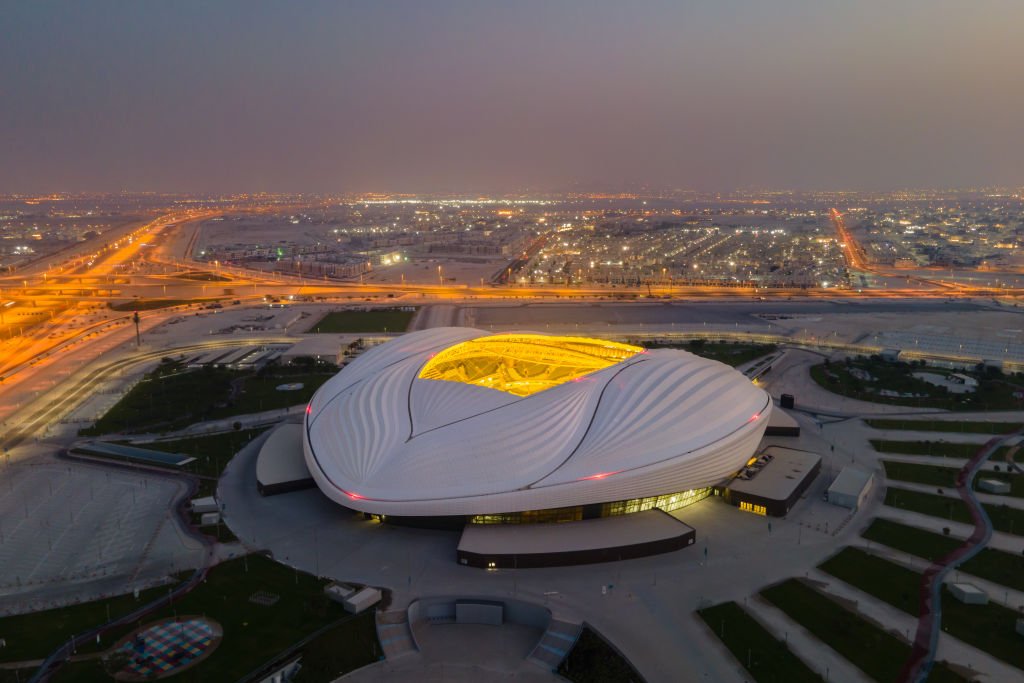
[396,433]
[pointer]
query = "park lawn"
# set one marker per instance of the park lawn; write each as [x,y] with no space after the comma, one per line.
[1006,569]
[729,353]
[891,583]
[770,658]
[260,393]
[254,634]
[359,321]
[987,627]
[932,504]
[940,449]
[932,475]
[993,393]
[36,635]
[593,660]
[168,398]
[171,397]
[958,426]
[875,652]
[1004,518]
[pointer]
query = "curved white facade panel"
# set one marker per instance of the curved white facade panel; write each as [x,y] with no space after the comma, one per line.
[381,438]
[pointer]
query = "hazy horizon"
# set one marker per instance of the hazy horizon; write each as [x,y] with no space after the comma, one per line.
[489,97]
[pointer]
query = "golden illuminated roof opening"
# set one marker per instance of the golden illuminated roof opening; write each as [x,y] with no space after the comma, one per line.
[524,364]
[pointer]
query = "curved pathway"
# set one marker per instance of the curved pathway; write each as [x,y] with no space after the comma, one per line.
[922,654]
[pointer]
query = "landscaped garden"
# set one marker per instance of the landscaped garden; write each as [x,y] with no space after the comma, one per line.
[940,449]
[1000,567]
[1004,518]
[263,607]
[762,654]
[987,627]
[879,381]
[956,426]
[173,396]
[874,651]
[730,353]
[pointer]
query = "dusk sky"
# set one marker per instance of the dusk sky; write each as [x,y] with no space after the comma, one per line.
[480,96]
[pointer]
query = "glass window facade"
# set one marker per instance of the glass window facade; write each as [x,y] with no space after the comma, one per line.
[667,502]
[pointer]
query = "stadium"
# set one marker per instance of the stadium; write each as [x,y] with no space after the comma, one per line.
[460,423]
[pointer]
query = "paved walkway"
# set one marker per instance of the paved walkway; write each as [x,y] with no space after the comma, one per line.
[997,592]
[462,652]
[999,540]
[951,493]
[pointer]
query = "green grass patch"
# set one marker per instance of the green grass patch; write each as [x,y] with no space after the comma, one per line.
[725,352]
[36,635]
[332,654]
[877,653]
[957,426]
[987,627]
[1004,518]
[154,304]
[593,660]
[932,475]
[994,392]
[168,398]
[931,504]
[940,449]
[769,658]
[260,393]
[172,397]
[1006,569]
[202,277]
[891,583]
[358,321]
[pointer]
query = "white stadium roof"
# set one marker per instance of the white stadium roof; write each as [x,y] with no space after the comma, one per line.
[453,421]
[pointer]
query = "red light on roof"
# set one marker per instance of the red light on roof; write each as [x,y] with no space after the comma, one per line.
[309,408]
[353,496]
[753,417]
[599,475]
